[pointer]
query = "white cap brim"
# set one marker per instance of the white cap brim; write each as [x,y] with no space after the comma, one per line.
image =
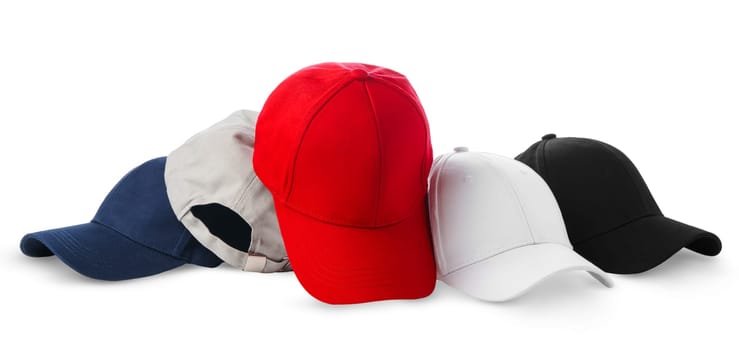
[512,273]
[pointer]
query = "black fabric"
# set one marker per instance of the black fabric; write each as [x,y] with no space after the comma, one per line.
[608,209]
[645,243]
[225,224]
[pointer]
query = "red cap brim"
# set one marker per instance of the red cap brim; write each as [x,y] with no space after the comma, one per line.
[346,265]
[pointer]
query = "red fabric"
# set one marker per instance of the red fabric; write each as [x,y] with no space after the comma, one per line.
[345,150]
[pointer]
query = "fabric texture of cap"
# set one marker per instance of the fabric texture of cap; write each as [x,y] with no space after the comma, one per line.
[345,151]
[134,233]
[611,217]
[496,227]
[214,191]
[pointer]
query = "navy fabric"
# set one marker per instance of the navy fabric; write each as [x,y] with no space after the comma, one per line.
[99,252]
[134,234]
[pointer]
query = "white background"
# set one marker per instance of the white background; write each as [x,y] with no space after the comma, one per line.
[90,89]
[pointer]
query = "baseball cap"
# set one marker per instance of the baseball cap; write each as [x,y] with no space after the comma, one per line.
[134,233]
[611,216]
[345,150]
[496,227]
[214,192]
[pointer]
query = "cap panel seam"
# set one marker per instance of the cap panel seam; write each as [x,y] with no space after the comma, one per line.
[631,181]
[313,114]
[616,228]
[487,254]
[628,173]
[424,120]
[338,87]
[239,209]
[118,185]
[631,174]
[518,199]
[332,221]
[473,261]
[203,136]
[379,150]
[615,156]
[182,243]
[136,242]
[240,197]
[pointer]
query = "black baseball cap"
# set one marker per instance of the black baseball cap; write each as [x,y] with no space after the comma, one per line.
[611,217]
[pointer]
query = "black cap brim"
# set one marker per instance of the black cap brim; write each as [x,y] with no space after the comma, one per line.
[643,244]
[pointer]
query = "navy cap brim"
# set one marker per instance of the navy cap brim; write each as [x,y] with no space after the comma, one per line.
[98,252]
[644,244]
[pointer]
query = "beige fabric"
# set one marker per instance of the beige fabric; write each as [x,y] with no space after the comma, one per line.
[215,166]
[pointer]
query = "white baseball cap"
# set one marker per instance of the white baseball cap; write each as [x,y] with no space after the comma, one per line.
[496,227]
[215,193]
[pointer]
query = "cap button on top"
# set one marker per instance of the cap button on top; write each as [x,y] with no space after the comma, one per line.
[461,149]
[548,136]
[359,73]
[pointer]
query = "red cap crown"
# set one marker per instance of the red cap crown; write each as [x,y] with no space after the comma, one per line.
[345,151]
[346,144]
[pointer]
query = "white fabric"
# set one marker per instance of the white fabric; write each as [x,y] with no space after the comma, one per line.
[482,207]
[512,273]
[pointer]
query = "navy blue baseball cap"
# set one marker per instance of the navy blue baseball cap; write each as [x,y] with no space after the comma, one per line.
[134,234]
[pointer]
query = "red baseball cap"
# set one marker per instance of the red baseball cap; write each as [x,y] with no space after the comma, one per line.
[345,150]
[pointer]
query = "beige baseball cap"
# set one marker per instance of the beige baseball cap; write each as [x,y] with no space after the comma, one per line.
[215,193]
